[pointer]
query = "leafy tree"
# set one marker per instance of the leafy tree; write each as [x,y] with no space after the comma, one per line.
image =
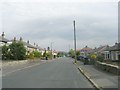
[44,54]
[5,53]
[36,54]
[48,54]
[71,53]
[77,53]
[60,54]
[17,50]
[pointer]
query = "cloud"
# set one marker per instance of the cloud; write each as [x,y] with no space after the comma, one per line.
[96,23]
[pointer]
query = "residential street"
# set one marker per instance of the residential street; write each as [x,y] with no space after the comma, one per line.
[61,73]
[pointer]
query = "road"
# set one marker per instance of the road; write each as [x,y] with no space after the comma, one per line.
[60,73]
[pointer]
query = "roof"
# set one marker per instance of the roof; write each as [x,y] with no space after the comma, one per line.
[86,49]
[26,44]
[2,39]
[100,49]
[78,49]
[116,47]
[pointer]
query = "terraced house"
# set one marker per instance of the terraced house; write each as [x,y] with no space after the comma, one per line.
[3,40]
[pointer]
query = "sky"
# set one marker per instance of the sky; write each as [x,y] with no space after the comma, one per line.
[46,21]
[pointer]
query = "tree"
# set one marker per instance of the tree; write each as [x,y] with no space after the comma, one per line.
[60,54]
[44,54]
[78,53]
[5,53]
[36,54]
[17,50]
[71,53]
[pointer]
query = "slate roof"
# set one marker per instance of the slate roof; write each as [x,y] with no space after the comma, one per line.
[116,47]
[25,43]
[86,49]
[28,45]
[100,49]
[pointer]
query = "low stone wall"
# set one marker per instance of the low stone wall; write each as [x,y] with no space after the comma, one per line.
[108,67]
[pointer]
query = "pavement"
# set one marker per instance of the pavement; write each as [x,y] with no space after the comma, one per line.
[59,73]
[99,78]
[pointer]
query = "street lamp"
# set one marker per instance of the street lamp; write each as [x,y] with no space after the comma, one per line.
[75,41]
[51,50]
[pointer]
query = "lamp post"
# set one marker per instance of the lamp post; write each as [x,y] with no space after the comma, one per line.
[51,50]
[75,41]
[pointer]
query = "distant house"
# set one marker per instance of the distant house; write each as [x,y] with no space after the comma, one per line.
[85,51]
[42,51]
[54,53]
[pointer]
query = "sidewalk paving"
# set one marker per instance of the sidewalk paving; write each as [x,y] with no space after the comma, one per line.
[101,78]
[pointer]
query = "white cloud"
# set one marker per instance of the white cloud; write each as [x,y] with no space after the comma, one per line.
[45,22]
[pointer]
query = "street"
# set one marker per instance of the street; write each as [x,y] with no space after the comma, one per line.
[60,73]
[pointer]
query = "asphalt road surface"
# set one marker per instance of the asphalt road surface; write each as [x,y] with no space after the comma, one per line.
[60,73]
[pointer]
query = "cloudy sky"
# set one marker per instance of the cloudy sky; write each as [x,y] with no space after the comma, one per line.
[44,22]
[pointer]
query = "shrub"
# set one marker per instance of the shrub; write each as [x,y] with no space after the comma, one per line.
[37,54]
[17,51]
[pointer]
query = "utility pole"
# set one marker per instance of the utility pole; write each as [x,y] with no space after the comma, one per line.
[75,41]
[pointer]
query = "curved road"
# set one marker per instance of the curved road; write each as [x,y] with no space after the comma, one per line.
[60,73]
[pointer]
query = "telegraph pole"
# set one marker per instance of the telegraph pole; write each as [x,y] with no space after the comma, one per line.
[75,41]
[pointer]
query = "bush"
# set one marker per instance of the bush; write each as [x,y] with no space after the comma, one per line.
[17,51]
[30,56]
[71,53]
[100,58]
[37,54]
[5,53]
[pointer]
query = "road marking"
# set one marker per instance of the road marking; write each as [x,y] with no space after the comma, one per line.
[21,69]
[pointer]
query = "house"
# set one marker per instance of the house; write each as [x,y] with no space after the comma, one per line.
[3,40]
[107,55]
[85,51]
[30,48]
[39,49]
[101,50]
[54,53]
[115,52]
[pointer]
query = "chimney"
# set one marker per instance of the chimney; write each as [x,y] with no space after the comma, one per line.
[3,34]
[20,38]
[95,48]
[116,43]
[14,38]
[34,44]
[28,41]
